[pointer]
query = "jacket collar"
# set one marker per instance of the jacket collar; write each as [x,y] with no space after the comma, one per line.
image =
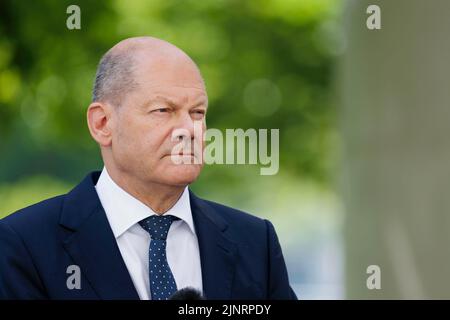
[89,240]
[91,243]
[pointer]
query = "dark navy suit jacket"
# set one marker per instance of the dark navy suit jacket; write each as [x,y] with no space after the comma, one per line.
[240,254]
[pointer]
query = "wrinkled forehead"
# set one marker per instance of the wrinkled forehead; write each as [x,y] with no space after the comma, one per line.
[176,96]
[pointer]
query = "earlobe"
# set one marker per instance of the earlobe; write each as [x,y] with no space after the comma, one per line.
[98,117]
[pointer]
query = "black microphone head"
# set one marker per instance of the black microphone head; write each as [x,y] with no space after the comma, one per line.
[187,293]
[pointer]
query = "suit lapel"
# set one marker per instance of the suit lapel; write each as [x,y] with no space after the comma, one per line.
[90,242]
[217,252]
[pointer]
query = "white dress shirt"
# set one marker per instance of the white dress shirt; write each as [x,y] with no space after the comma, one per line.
[124,212]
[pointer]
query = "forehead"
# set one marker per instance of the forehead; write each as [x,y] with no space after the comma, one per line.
[168,75]
[171,69]
[176,95]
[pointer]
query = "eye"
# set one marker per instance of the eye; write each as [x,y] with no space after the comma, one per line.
[199,113]
[161,110]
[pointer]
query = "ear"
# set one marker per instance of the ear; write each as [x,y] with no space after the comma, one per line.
[99,123]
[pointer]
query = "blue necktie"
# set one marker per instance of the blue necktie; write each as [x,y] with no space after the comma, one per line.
[162,282]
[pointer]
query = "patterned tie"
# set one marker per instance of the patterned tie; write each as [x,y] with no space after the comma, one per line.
[162,282]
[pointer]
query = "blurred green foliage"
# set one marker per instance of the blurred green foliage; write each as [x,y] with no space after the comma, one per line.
[266,63]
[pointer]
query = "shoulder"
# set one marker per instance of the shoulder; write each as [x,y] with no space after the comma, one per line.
[38,216]
[240,220]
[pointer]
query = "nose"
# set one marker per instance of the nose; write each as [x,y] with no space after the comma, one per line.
[184,128]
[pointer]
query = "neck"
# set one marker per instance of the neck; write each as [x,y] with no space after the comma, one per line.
[159,197]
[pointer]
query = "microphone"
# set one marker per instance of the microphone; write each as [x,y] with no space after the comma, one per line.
[187,293]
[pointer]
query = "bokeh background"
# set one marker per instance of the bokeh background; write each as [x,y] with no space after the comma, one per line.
[363,118]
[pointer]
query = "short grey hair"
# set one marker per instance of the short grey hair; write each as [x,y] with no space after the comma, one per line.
[114,77]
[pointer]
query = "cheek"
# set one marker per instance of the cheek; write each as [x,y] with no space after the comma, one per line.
[141,139]
[129,140]
[199,132]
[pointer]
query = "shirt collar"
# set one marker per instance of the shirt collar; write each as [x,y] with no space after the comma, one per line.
[123,210]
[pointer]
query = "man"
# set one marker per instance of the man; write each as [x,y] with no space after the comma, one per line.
[135,230]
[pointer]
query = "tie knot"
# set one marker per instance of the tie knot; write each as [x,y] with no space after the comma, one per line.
[157,226]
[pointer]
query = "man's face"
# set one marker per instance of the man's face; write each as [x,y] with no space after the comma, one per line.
[170,96]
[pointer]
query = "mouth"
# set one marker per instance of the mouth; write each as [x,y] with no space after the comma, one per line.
[179,155]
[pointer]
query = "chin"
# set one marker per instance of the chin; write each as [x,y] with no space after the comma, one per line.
[183,174]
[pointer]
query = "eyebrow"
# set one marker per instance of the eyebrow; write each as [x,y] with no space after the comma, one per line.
[171,103]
